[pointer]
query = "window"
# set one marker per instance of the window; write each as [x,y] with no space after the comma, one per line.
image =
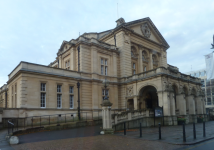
[43,99]
[67,64]
[144,56]
[71,101]
[144,68]
[133,69]
[43,95]
[105,92]
[71,89]
[59,88]
[59,100]
[43,88]
[104,66]
[71,97]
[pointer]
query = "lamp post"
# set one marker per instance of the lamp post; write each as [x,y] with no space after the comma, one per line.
[78,108]
[106,112]
[105,83]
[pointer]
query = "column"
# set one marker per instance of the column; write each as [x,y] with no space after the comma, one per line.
[172,104]
[94,59]
[115,98]
[73,60]
[199,105]
[150,60]
[181,104]
[95,99]
[114,73]
[191,104]
[60,61]
[166,103]
[140,62]
[135,103]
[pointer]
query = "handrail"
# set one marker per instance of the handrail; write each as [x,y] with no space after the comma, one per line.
[10,123]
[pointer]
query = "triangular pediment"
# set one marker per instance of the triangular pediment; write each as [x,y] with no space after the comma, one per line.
[146,28]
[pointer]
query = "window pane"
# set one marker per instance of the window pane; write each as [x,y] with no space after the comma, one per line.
[106,92]
[59,88]
[71,89]
[105,61]
[133,65]
[59,98]
[101,69]
[133,71]
[101,61]
[42,86]
[43,96]
[144,68]
[71,101]
[103,92]
[105,70]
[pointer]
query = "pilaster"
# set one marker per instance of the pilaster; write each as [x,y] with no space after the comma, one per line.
[191,104]
[181,104]
[140,62]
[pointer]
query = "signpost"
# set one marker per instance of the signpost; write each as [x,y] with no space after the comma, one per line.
[158,112]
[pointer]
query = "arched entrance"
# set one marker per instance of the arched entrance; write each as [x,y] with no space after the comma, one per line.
[148,98]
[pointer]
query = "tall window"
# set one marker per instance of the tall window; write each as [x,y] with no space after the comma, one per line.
[43,95]
[15,96]
[59,88]
[67,64]
[133,68]
[145,68]
[104,66]
[105,92]
[59,100]
[59,96]
[71,97]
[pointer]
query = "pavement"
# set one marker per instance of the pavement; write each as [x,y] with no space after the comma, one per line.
[173,134]
[4,145]
[90,138]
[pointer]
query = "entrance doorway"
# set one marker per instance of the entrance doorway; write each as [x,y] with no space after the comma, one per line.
[148,98]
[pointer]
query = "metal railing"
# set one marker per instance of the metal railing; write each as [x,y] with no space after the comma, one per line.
[40,121]
[10,126]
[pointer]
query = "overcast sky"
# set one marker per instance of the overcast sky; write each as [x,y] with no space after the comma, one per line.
[33,30]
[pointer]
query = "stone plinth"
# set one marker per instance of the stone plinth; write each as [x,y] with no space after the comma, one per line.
[106,117]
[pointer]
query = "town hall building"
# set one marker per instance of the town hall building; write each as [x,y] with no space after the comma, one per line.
[132,57]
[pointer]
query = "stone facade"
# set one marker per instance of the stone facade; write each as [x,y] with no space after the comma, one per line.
[132,57]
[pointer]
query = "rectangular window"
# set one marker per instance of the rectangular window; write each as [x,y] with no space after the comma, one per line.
[43,99]
[106,70]
[59,88]
[133,69]
[71,101]
[71,89]
[104,67]
[43,87]
[59,100]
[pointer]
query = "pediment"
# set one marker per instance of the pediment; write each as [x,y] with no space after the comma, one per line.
[147,29]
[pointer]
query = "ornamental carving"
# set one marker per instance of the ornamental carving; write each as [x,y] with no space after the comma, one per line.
[145,30]
[129,90]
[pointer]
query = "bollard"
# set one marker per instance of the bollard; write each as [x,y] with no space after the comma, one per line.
[124,128]
[204,133]
[184,133]
[194,132]
[159,131]
[140,130]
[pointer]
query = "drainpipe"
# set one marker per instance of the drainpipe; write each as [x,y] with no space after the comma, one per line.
[78,58]
[115,40]
[6,99]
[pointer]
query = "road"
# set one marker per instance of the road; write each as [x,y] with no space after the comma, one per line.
[207,145]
